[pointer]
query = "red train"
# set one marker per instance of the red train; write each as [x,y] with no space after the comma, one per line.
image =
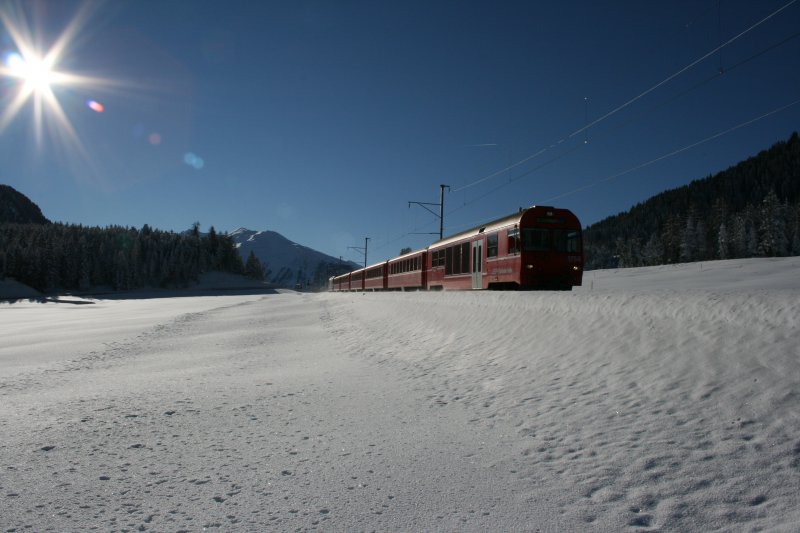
[536,248]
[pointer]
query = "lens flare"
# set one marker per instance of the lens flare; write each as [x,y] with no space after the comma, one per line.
[95,106]
[193,160]
[33,71]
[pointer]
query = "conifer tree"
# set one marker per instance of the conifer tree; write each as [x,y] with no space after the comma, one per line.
[253,268]
[722,242]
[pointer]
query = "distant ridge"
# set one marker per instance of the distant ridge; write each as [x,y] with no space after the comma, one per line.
[16,208]
[752,209]
[288,263]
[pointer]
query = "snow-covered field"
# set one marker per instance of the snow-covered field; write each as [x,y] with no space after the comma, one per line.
[653,399]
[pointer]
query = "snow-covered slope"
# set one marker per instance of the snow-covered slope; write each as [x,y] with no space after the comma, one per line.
[654,399]
[287,261]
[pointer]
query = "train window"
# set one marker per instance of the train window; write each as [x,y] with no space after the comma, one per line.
[456,259]
[491,245]
[448,263]
[567,240]
[465,258]
[551,220]
[513,241]
[535,240]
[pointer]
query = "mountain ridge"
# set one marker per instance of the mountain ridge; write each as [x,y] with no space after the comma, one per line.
[751,209]
[286,262]
[16,208]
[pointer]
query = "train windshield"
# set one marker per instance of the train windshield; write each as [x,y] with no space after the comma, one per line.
[543,240]
[567,240]
[535,240]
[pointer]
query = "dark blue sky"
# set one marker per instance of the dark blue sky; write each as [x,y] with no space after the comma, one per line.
[321,120]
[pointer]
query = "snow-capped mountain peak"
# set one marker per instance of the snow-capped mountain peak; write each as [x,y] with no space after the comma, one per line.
[286,262]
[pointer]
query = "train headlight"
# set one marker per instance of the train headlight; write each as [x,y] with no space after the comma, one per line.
[529,267]
[576,268]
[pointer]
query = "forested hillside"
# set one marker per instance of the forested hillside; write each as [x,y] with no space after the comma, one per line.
[61,256]
[49,256]
[18,208]
[749,210]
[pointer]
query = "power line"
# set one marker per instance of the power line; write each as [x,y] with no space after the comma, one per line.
[673,153]
[632,100]
[519,176]
[681,71]
[619,174]
[723,71]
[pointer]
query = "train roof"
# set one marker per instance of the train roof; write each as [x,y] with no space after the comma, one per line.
[364,269]
[487,227]
[375,265]
[408,254]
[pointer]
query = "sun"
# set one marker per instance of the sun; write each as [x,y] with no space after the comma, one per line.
[33,71]
[36,73]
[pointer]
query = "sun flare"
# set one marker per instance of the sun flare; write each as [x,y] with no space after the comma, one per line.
[36,73]
[35,77]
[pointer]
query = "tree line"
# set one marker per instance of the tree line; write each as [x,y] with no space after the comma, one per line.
[749,210]
[65,256]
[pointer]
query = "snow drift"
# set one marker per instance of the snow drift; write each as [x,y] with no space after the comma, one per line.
[661,398]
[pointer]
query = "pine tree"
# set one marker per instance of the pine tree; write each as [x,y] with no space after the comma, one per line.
[253,268]
[772,236]
[722,242]
[795,224]
[701,240]
[689,240]
[653,251]
[738,239]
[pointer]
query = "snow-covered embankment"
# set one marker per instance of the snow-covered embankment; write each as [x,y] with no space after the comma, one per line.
[662,398]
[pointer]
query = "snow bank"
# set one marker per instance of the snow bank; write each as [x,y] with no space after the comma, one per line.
[650,399]
[663,397]
[12,289]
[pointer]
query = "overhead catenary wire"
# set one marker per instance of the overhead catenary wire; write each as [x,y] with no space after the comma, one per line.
[718,74]
[681,71]
[654,160]
[674,152]
[630,101]
[722,72]
[624,172]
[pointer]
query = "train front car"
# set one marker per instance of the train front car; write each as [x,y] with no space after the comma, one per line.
[550,249]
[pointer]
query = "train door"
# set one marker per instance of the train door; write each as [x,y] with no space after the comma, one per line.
[477,264]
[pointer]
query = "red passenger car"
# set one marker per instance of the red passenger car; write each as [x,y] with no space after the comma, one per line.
[407,272]
[375,277]
[341,283]
[357,280]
